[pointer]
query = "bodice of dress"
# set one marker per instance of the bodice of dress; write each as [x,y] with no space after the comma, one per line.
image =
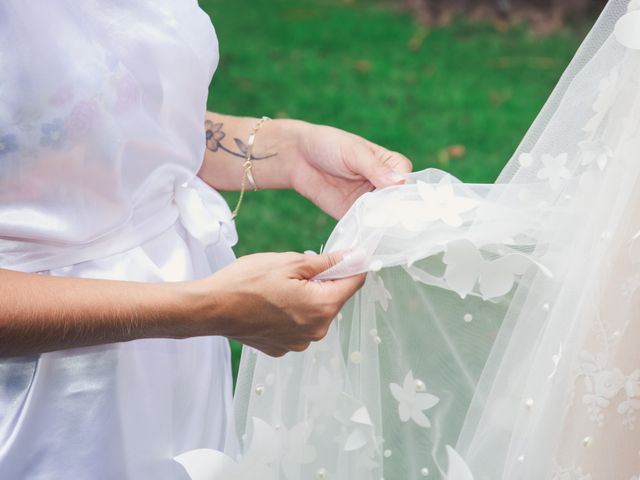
[102,106]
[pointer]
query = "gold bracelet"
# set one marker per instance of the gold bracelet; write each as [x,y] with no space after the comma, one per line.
[247,174]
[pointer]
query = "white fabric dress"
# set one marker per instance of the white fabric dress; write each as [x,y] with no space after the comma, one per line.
[102,109]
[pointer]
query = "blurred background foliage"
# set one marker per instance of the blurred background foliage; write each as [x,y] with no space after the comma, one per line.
[543,16]
[456,93]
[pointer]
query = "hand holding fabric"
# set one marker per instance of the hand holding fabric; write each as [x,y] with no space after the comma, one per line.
[268,301]
[335,167]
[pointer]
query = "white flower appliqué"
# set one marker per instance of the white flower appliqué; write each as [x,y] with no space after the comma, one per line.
[601,385]
[376,291]
[296,451]
[441,203]
[257,462]
[629,407]
[466,267]
[389,214]
[604,100]
[411,401]
[457,469]
[554,169]
[595,152]
[627,30]
[572,473]
[361,434]
[437,203]
[525,160]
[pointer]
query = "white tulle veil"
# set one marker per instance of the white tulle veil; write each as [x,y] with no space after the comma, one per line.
[496,335]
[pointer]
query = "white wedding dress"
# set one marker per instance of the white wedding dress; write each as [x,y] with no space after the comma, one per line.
[102,106]
[496,335]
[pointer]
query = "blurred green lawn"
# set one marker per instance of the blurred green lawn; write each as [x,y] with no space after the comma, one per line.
[372,70]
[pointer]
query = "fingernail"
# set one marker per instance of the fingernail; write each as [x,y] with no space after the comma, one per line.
[394,177]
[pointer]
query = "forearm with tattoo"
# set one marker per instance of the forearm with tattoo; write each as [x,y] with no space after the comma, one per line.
[215,134]
[226,151]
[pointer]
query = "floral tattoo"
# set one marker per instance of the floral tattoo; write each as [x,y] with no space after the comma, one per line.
[215,135]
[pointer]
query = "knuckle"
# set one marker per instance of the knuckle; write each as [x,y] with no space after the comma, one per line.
[275,352]
[328,311]
[332,260]
[405,164]
[396,160]
[335,310]
[292,257]
[300,347]
[318,334]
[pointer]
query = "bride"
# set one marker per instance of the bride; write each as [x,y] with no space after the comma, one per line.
[495,337]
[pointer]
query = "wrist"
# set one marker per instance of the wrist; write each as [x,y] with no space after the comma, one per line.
[286,138]
[191,308]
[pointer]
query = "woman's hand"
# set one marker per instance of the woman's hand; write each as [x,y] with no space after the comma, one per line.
[332,168]
[329,166]
[268,301]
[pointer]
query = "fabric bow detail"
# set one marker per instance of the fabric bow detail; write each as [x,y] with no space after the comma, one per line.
[204,213]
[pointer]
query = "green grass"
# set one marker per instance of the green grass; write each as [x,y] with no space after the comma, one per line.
[372,70]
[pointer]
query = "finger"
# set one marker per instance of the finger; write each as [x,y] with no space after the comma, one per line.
[316,264]
[275,352]
[382,167]
[342,289]
[301,347]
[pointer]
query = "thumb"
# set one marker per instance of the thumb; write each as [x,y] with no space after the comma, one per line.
[382,167]
[316,264]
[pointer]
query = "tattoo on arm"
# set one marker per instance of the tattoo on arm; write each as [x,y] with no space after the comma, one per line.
[215,135]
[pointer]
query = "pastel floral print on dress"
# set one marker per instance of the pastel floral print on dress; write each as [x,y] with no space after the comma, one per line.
[82,119]
[573,473]
[8,144]
[603,385]
[53,134]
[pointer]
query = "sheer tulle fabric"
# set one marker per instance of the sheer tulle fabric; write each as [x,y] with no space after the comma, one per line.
[500,320]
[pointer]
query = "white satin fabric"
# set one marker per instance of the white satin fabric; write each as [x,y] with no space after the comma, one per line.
[102,108]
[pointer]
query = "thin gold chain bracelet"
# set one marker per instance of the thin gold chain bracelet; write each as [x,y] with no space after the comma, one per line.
[247,173]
